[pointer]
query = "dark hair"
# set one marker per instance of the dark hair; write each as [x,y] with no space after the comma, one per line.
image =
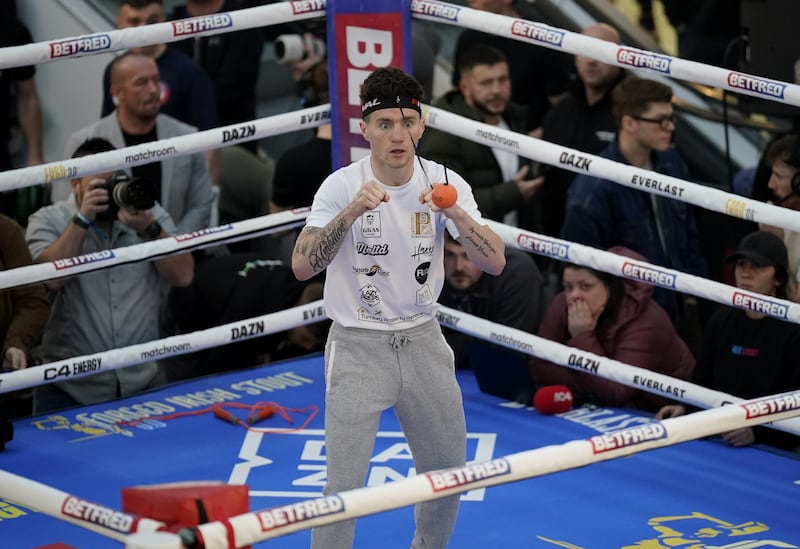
[389,82]
[313,292]
[631,97]
[616,291]
[787,149]
[480,54]
[318,84]
[139,4]
[93,145]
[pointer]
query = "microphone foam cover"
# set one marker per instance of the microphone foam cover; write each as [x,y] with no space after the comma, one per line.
[553,399]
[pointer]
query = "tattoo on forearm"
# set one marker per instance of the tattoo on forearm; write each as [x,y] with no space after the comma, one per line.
[480,243]
[321,245]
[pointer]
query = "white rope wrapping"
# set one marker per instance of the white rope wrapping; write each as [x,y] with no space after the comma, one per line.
[613,54]
[159,33]
[61,268]
[636,178]
[282,520]
[73,509]
[113,359]
[617,265]
[166,148]
[585,361]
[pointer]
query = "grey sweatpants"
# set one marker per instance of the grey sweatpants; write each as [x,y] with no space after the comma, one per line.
[367,372]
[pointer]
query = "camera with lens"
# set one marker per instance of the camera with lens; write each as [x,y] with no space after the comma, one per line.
[124,191]
[291,48]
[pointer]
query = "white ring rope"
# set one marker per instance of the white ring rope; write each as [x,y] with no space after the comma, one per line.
[636,178]
[166,148]
[623,56]
[232,232]
[642,271]
[74,509]
[588,362]
[278,521]
[265,524]
[113,359]
[430,10]
[159,33]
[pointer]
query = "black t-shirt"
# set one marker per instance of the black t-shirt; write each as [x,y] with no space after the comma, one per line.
[12,33]
[751,358]
[151,171]
[299,173]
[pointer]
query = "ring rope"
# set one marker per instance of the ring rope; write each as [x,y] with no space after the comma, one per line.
[588,362]
[429,10]
[113,359]
[269,523]
[159,33]
[104,259]
[623,56]
[642,271]
[183,145]
[636,178]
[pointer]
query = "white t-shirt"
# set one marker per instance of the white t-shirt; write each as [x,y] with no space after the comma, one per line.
[389,271]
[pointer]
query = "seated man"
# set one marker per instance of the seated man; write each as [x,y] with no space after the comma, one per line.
[748,354]
[236,287]
[106,309]
[512,298]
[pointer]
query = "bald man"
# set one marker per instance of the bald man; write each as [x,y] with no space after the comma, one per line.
[185,189]
[581,121]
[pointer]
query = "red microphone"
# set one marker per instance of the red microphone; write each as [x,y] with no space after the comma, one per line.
[553,399]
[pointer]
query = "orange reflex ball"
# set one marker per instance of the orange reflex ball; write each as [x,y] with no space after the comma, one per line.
[444,195]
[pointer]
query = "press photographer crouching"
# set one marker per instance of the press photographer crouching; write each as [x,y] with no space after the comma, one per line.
[110,308]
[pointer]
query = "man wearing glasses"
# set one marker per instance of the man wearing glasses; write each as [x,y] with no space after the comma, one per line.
[602,213]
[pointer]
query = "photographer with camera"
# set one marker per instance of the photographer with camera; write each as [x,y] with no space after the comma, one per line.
[111,308]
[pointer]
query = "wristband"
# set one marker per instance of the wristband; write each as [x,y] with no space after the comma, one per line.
[82,221]
[152,231]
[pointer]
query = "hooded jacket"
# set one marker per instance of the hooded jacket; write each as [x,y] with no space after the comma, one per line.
[641,335]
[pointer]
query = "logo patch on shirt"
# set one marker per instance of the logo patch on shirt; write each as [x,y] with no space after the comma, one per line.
[421,272]
[421,224]
[744,351]
[371,225]
[370,295]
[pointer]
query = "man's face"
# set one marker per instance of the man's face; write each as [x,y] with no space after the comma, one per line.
[654,127]
[780,181]
[135,17]
[487,88]
[461,273]
[138,88]
[595,74]
[390,136]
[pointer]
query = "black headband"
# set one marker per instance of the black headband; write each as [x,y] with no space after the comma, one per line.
[401,101]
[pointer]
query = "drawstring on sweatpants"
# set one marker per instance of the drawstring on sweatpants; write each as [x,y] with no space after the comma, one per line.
[398,340]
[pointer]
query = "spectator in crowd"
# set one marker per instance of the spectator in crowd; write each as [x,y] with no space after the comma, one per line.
[183,181]
[236,287]
[512,298]
[538,75]
[602,213]
[18,97]
[616,318]
[706,30]
[385,348]
[23,313]
[582,120]
[231,60]
[186,90]
[747,354]
[106,309]
[783,156]
[501,180]
[301,169]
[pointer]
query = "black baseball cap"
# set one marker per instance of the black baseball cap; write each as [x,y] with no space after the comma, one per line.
[763,248]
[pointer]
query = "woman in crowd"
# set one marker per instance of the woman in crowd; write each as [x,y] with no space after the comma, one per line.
[617,318]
